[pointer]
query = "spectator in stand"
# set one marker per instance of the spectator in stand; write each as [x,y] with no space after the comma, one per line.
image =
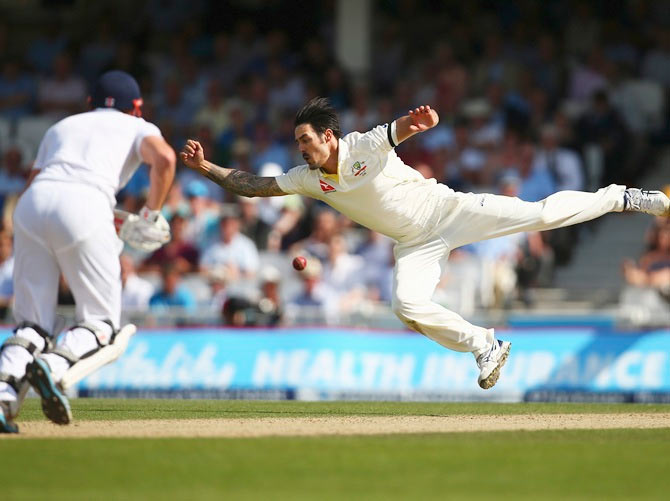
[656,62]
[286,89]
[175,203]
[337,87]
[361,116]
[377,254]
[13,172]
[281,213]
[493,65]
[250,223]
[217,280]
[98,53]
[486,132]
[64,92]
[267,149]
[241,155]
[589,77]
[507,156]
[565,168]
[172,293]
[239,312]
[563,164]
[466,164]
[316,298]
[173,108]
[6,271]
[343,272]
[602,127]
[43,50]
[203,219]
[215,112]
[223,67]
[270,305]
[316,244]
[135,291]
[238,129]
[178,251]
[653,268]
[17,91]
[546,66]
[234,252]
[536,181]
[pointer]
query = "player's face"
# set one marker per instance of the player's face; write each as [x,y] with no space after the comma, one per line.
[312,146]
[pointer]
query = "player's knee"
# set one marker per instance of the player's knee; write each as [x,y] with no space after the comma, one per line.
[405,308]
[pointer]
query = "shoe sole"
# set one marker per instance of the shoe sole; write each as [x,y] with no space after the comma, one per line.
[55,405]
[492,379]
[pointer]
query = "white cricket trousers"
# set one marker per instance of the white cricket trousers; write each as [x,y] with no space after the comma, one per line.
[67,228]
[466,218]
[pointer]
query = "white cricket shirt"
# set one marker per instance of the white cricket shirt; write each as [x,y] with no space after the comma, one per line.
[100,148]
[373,187]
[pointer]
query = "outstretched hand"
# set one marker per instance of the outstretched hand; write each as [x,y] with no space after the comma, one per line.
[192,154]
[423,118]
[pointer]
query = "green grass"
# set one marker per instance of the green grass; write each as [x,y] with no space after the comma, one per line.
[117,409]
[570,464]
[624,464]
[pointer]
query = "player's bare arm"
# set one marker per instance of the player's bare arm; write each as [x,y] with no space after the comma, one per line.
[418,120]
[160,156]
[237,181]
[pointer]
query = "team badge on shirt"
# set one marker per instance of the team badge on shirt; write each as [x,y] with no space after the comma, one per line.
[358,169]
[325,187]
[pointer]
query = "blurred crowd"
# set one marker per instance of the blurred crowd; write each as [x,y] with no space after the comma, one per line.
[534,97]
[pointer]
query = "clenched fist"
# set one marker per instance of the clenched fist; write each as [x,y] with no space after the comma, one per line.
[192,154]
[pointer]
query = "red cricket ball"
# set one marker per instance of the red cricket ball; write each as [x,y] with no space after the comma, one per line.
[299,263]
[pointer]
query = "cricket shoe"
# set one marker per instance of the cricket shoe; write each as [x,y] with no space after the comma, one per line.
[655,203]
[6,418]
[55,404]
[491,362]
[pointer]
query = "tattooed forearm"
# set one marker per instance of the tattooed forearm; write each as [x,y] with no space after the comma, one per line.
[241,182]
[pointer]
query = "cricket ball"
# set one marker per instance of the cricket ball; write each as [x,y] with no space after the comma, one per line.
[299,263]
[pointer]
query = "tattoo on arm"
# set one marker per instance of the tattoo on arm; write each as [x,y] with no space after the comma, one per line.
[241,182]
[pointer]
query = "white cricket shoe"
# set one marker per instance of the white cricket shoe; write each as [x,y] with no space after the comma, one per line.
[491,362]
[655,203]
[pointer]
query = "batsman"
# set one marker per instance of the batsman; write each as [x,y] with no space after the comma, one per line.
[361,176]
[64,224]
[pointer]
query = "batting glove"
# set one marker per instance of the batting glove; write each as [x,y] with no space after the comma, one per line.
[145,231]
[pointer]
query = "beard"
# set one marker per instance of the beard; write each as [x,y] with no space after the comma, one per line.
[310,164]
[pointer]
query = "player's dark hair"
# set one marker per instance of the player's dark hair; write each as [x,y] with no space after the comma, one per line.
[320,115]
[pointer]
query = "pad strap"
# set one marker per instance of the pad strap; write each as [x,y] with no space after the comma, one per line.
[66,354]
[12,381]
[36,328]
[28,345]
[71,357]
[95,331]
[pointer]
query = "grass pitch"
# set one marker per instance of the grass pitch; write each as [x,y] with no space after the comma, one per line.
[574,464]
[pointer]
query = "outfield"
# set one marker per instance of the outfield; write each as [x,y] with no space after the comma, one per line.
[391,458]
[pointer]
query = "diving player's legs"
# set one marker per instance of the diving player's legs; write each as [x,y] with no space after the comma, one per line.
[483,216]
[416,274]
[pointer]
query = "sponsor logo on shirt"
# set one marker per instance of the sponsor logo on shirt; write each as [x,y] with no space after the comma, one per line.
[325,187]
[358,169]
